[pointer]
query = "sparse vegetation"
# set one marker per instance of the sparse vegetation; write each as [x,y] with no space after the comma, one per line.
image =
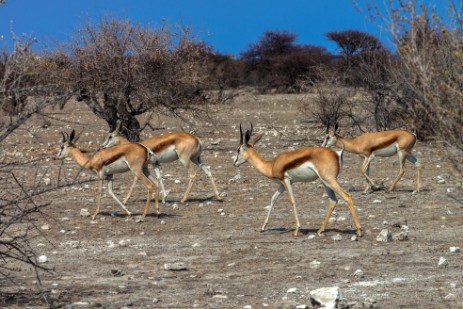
[128,72]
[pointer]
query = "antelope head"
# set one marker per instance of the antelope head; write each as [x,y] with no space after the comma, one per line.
[331,136]
[113,137]
[67,141]
[247,141]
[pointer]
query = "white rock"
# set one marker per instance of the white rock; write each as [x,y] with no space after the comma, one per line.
[354,238]
[175,206]
[450,297]
[84,212]
[293,291]
[359,273]
[377,202]
[442,262]
[337,237]
[440,180]
[175,266]
[177,181]
[314,264]
[302,307]
[384,236]
[401,236]
[47,181]
[454,249]
[326,297]
[236,178]
[45,227]
[42,259]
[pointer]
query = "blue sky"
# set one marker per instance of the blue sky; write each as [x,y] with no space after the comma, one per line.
[229,26]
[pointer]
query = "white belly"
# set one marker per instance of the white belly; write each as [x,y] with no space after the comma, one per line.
[303,173]
[387,152]
[119,166]
[167,155]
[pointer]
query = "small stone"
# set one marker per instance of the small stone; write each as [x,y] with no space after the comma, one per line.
[292,291]
[42,259]
[327,298]
[354,238]
[302,307]
[442,262]
[45,227]
[401,236]
[178,266]
[377,202]
[314,264]
[450,297]
[163,222]
[440,180]
[384,236]
[454,249]
[175,206]
[47,181]
[337,237]
[84,212]
[359,273]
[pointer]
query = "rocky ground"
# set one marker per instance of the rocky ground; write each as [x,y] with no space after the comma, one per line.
[211,254]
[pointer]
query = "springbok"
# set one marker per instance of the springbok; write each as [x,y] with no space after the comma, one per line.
[115,160]
[168,148]
[300,165]
[381,144]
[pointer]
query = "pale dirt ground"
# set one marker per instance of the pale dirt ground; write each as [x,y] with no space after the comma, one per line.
[230,263]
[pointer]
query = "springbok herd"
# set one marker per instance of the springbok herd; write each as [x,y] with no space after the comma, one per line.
[304,164]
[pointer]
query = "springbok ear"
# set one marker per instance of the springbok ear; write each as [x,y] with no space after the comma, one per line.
[328,127]
[247,137]
[336,127]
[255,139]
[64,137]
[72,136]
[252,129]
[118,125]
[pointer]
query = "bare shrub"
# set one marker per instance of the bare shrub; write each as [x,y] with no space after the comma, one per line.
[429,70]
[121,70]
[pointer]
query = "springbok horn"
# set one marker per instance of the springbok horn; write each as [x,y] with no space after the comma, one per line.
[241,135]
